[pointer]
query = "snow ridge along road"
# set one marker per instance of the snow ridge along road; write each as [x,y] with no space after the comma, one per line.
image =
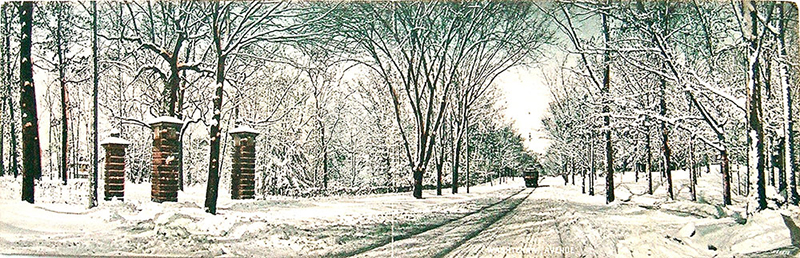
[440,240]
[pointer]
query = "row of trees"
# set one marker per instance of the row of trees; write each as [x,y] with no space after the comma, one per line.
[669,85]
[345,95]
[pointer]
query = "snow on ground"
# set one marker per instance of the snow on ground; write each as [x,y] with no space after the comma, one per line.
[557,220]
[277,226]
[704,228]
[498,220]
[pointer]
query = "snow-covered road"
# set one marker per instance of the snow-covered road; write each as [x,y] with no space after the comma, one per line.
[505,220]
[556,221]
[550,221]
[442,239]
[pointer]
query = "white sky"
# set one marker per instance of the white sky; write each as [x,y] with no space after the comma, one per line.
[526,102]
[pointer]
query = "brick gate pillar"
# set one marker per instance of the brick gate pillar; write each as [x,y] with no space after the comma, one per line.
[243,177]
[115,165]
[166,162]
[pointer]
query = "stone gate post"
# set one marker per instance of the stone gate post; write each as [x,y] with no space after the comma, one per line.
[166,162]
[243,181]
[114,165]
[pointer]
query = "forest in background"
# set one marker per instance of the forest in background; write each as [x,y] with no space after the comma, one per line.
[400,96]
[665,86]
[357,96]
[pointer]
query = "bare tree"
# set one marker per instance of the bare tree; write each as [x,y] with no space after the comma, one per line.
[790,160]
[502,42]
[752,35]
[603,84]
[9,81]
[95,80]
[62,81]
[236,26]
[164,30]
[30,123]
[421,51]
[411,53]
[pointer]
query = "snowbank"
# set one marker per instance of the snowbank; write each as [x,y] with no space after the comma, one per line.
[765,231]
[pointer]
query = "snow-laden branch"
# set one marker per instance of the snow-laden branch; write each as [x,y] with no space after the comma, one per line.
[677,123]
[739,103]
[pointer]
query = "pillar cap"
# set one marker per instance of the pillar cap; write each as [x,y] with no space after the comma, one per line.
[114,132]
[243,129]
[114,140]
[165,119]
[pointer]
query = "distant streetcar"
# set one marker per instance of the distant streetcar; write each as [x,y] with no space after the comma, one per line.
[531,176]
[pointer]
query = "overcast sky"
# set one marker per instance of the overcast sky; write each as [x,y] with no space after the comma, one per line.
[526,98]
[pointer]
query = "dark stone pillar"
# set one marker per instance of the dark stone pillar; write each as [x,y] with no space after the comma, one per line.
[243,177]
[115,166]
[166,144]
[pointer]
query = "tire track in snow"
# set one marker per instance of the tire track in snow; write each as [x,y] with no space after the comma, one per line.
[421,243]
[529,227]
[492,221]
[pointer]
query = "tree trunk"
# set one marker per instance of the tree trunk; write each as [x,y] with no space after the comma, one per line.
[439,178]
[466,146]
[572,164]
[440,162]
[793,168]
[647,164]
[769,157]
[180,141]
[692,180]
[754,96]
[591,163]
[179,115]
[781,178]
[213,165]
[456,160]
[6,95]
[352,160]
[325,155]
[63,82]
[793,163]
[14,166]
[583,181]
[607,118]
[180,165]
[565,174]
[214,157]
[30,129]
[2,136]
[12,131]
[789,158]
[418,171]
[95,81]
[738,180]
[726,177]
[747,160]
[667,170]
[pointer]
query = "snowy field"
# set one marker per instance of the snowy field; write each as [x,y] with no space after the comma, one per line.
[503,220]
